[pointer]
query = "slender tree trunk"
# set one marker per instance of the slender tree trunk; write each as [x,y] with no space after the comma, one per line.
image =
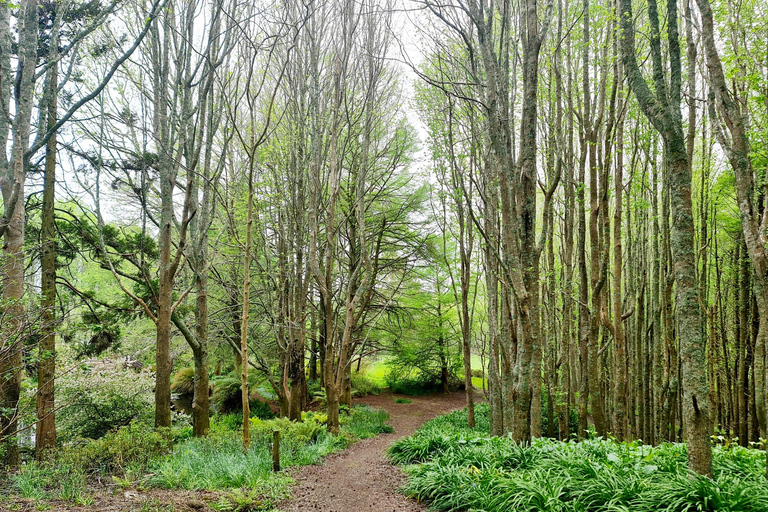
[245,395]
[621,374]
[664,112]
[13,180]
[45,432]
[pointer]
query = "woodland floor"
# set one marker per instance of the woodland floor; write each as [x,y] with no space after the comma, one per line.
[360,478]
[355,480]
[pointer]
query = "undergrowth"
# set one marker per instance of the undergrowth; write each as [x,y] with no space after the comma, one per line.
[136,455]
[219,462]
[456,468]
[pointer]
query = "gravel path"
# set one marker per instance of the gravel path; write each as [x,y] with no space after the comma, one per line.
[360,478]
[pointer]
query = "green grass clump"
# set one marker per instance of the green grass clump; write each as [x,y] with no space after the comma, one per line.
[457,468]
[219,462]
[403,401]
[184,381]
[65,476]
[364,422]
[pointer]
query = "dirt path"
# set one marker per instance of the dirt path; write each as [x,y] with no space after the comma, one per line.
[360,478]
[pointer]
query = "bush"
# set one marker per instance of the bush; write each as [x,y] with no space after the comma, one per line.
[184,381]
[364,422]
[260,409]
[299,431]
[227,397]
[132,447]
[462,468]
[100,396]
[414,386]
[364,386]
[219,462]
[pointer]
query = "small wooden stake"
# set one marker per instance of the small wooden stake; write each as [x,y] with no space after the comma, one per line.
[276,451]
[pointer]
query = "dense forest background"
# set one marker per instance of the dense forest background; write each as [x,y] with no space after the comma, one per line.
[236,201]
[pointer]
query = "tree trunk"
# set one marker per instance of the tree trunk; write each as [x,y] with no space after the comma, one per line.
[621,374]
[753,227]
[663,111]
[246,308]
[13,180]
[45,432]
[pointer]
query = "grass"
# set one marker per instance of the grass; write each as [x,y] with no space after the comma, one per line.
[138,455]
[219,462]
[403,401]
[457,468]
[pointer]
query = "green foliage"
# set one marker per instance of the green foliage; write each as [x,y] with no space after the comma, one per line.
[246,500]
[233,422]
[227,396]
[184,381]
[461,468]
[219,462]
[362,385]
[260,409]
[419,385]
[100,396]
[306,431]
[129,449]
[366,422]
[403,401]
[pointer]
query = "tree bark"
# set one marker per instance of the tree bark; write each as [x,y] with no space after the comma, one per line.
[663,111]
[12,184]
[45,432]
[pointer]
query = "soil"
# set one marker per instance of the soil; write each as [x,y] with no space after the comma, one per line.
[360,478]
[357,479]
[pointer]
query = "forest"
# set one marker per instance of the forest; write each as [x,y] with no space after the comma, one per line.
[231,222]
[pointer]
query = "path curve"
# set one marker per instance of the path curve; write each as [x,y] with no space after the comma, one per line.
[360,478]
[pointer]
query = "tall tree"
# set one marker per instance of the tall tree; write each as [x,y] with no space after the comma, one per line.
[663,110]
[729,115]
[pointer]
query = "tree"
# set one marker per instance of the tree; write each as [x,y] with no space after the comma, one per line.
[729,117]
[663,111]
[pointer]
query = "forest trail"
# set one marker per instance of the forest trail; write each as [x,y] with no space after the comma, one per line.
[360,478]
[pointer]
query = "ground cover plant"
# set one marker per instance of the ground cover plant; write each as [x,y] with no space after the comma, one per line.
[453,467]
[137,456]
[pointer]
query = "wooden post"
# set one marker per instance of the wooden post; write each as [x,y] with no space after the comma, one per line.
[276,451]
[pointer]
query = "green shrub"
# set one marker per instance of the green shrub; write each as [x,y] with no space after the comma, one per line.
[132,447]
[184,381]
[101,396]
[364,422]
[415,386]
[219,462]
[227,397]
[364,386]
[129,449]
[261,409]
[298,431]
